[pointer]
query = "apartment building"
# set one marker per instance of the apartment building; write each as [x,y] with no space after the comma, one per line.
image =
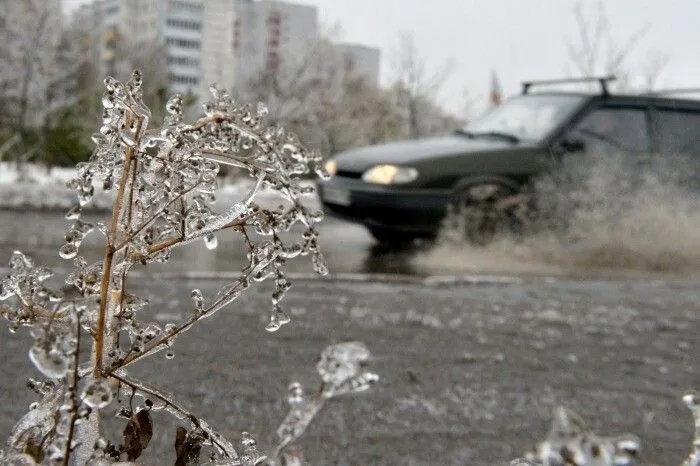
[270,35]
[199,42]
[187,41]
[359,61]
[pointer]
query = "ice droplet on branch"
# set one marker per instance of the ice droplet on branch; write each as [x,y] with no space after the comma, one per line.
[211,241]
[97,394]
[68,251]
[50,361]
[197,299]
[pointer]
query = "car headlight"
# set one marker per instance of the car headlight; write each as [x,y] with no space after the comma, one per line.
[331,167]
[390,174]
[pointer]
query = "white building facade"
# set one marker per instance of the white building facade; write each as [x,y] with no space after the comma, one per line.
[359,61]
[191,39]
[191,44]
[270,35]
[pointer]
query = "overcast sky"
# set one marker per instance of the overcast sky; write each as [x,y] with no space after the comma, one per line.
[519,39]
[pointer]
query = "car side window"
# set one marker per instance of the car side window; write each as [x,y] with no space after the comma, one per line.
[677,131]
[614,129]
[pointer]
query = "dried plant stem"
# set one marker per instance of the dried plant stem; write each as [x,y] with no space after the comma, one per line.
[153,218]
[173,242]
[163,341]
[99,337]
[130,206]
[74,397]
[216,439]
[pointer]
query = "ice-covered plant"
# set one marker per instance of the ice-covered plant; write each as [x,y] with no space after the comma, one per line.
[692,401]
[570,443]
[164,182]
[340,368]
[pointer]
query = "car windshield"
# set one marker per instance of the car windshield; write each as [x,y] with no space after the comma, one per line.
[528,117]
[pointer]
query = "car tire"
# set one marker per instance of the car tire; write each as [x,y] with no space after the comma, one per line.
[487,211]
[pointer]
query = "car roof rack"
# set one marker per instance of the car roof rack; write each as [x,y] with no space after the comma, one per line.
[602,80]
[680,90]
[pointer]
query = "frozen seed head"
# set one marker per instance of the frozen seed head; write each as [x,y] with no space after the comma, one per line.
[262,110]
[296,394]
[97,394]
[342,362]
[174,105]
[211,242]
[247,441]
[250,454]
[197,298]
[692,400]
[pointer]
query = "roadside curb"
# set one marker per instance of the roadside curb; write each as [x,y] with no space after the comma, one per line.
[393,279]
[365,278]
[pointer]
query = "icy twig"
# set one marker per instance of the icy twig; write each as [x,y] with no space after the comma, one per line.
[692,400]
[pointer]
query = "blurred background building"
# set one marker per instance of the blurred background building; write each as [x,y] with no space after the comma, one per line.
[187,41]
[361,61]
[270,34]
[199,42]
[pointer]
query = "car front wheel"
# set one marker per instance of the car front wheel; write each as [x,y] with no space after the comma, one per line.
[483,212]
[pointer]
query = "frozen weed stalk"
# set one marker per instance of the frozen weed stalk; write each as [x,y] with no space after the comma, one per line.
[570,443]
[164,181]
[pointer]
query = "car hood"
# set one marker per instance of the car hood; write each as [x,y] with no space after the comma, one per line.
[413,152]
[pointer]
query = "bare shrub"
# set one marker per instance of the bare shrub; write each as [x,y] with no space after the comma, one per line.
[165,183]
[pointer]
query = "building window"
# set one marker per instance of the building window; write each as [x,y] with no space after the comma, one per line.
[186,6]
[184,43]
[184,24]
[183,61]
[180,79]
[273,61]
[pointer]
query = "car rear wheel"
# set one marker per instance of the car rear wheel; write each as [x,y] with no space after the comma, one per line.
[487,211]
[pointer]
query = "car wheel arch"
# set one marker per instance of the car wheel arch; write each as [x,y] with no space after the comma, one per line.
[470,181]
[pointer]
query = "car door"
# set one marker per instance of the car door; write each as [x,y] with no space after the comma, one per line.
[605,146]
[610,128]
[676,141]
[676,129]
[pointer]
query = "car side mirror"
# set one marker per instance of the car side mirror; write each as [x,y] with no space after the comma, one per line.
[572,144]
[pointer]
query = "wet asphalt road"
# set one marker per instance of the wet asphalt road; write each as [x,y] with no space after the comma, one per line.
[348,247]
[470,372]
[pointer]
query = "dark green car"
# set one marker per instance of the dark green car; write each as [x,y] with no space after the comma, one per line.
[402,190]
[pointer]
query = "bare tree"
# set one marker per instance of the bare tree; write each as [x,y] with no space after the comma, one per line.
[417,86]
[361,114]
[326,101]
[28,59]
[595,51]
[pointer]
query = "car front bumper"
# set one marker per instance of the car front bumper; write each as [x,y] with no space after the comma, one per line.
[392,207]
